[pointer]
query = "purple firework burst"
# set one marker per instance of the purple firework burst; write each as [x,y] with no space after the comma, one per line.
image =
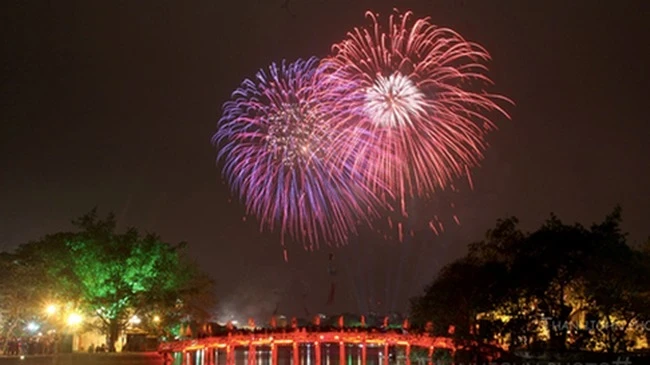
[274,139]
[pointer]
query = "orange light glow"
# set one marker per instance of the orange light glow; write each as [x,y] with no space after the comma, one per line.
[301,337]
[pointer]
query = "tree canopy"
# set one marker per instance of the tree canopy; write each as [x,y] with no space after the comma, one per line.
[111,276]
[559,287]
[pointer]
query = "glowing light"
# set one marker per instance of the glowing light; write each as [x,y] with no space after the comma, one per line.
[276,142]
[74,319]
[32,327]
[135,320]
[314,149]
[156,319]
[391,101]
[295,133]
[51,309]
[417,89]
[308,339]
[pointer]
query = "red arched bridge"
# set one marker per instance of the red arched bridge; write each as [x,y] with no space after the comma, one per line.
[300,346]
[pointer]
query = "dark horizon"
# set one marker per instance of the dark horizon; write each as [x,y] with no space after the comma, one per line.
[113,105]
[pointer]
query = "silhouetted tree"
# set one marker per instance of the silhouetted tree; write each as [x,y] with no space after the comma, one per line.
[541,289]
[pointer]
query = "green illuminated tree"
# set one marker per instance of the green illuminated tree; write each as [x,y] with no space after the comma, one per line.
[120,275]
[113,276]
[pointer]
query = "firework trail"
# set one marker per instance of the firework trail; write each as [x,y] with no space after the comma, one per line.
[275,143]
[411,87]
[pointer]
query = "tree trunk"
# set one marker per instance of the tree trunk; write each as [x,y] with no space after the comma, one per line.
[11,328]
[113,333]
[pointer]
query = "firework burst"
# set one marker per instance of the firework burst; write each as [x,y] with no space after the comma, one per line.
[412,87]
[275,143]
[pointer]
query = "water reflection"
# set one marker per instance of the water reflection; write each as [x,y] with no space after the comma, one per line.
[330,354]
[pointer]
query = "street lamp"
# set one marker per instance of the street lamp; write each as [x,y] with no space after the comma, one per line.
[32,327]
[74,319]
[50,309]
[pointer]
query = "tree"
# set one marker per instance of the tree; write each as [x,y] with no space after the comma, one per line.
[616,286]
[114,276]
[19,287]
[123,275]
[471,286]
[463,289]
[541,289]
[549,264]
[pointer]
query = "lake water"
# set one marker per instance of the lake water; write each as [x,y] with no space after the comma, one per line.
[330,355]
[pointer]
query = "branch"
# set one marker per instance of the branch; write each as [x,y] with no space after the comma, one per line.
[102,318]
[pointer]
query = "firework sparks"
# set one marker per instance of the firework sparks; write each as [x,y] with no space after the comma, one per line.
[412,88]
[396,113]
[274,142]
[392,100]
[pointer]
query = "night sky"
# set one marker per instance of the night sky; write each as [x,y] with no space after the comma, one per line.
[113,104]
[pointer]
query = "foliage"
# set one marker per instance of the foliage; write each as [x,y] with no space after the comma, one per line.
[110,276]
[19,284]
[559,287]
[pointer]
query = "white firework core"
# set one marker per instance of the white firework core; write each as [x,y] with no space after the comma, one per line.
[392,101]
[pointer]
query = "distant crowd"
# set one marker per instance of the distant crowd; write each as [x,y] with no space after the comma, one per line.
[40,345]
[99,348]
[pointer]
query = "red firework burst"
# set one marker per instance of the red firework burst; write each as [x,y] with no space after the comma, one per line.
[411,94]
